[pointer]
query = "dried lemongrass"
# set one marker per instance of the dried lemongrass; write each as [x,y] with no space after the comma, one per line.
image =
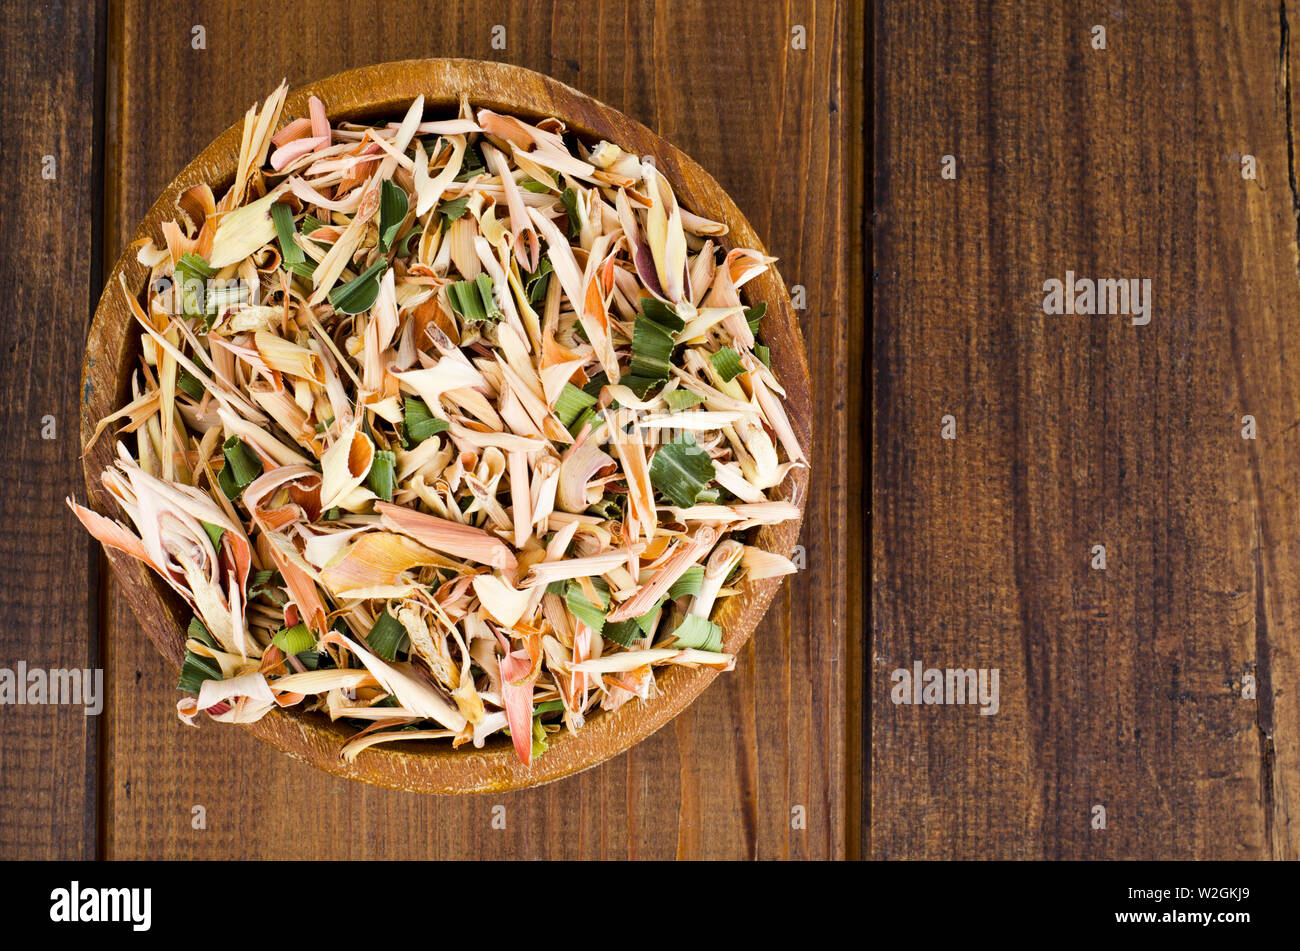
[759,564]
[483,419]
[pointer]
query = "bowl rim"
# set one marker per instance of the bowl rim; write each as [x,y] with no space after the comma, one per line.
[370,92]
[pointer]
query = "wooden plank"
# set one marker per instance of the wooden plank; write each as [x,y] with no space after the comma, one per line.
[48,84]
[1279,655]
[1119,687]
[857,732]
[722,779]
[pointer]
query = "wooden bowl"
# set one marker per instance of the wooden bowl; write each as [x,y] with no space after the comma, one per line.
[386,90]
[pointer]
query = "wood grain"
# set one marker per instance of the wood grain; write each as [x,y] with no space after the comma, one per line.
[1120,687]
[47,753]
[722,780]
[857,729]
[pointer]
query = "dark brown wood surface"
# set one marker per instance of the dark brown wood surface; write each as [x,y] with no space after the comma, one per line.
[768,121]
[1119,687]
[48,754]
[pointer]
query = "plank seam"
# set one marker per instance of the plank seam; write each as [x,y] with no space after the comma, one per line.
[93,825]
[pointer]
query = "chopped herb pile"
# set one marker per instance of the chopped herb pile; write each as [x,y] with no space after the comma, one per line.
[478,447]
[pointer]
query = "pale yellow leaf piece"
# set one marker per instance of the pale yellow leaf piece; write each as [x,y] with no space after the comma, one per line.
[760,564]
[631,660]
[375,560]
[345,464]
[410,692]
[440,534]
[502,602]
[243,231]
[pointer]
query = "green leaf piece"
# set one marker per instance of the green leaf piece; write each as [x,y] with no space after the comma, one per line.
[572,403]
[387,637]
[417,422]
[282,217]
[383,474]
[358,295]
[727,362]
[393,204]
[699,633]
[294,640]
[680,470]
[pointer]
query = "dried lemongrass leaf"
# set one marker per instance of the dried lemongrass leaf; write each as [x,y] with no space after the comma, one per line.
[336,259]
[375,560]
[346,464]
[631,660]
[285,356]
[546,572]
[252,698]
[583,463]
[758,513]
[409,691]
[136,413]
[668,573]
[759,564]
[354,748]
[503,603]
[442,535]
[724,558]
[431,193]
[243,231]
[320,681]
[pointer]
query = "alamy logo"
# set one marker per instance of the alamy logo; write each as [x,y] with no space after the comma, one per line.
[1106,295]
[36,686]
[74,904]
[949,685]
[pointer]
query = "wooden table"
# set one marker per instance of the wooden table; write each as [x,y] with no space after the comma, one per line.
[122,96]
[1129,687]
